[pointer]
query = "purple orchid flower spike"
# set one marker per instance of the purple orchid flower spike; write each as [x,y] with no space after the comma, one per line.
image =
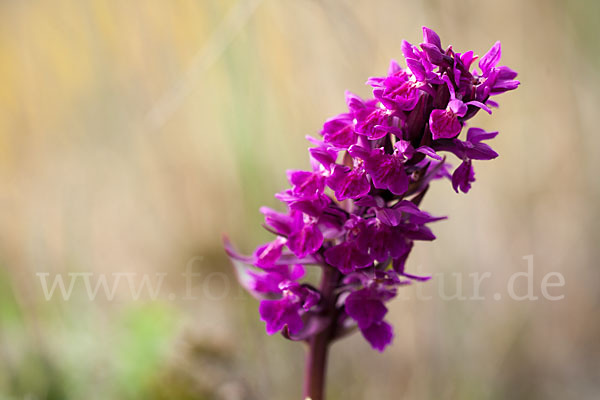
[355,214]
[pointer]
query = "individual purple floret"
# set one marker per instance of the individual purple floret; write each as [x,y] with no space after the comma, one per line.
[286,310]
[355,214]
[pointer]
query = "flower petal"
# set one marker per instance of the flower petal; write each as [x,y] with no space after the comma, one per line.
[379,335]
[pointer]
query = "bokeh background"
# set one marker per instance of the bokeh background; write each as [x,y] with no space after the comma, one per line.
[134,134]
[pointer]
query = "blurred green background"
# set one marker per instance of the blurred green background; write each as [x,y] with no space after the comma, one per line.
[133,134]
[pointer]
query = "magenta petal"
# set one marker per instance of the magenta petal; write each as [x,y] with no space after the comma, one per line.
[399,266]
[306,183]
[339,257]
[370,125]
[416,67]
[379,335]
[279,313]
[492,103]
[433,52]
[458,107]
[491,58]
[467,59]
[429,152]
[443,125]
[405,148]
[348,183]
[429,36]
[480,105]
[354,102]
[462,177]
[409,51]
[339,131]
[234,254]
[389,216]
[387,171]
[481,151]
[297,272]
[324,155]
[346,257]
[506,74]
[311,299]
[280,223]
[266,282]
[476,135]
[269,311]
[365,308]
[394,68]
[305,241]
[267,254]
[398,181]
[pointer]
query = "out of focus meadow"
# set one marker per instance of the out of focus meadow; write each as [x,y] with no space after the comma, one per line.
[134,134]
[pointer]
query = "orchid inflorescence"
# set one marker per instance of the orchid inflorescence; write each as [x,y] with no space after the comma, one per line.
[355,213]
